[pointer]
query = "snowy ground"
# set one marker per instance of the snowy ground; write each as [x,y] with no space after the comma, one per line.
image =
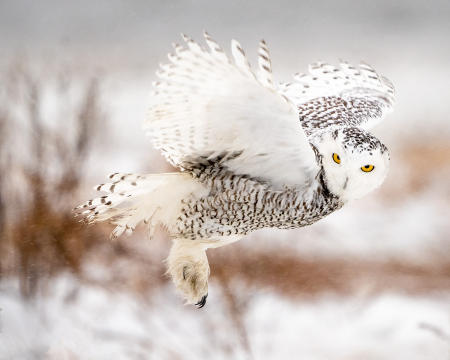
[75,321]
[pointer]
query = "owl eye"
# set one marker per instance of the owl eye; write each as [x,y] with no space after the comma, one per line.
[336,158]
[367,168]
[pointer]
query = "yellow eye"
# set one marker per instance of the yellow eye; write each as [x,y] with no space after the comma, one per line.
[367,168]
[336,158]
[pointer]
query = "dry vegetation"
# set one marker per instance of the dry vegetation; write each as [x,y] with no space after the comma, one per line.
[41,172]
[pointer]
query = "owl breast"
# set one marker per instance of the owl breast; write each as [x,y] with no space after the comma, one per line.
[237,205]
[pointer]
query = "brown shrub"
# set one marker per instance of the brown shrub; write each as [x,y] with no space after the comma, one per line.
[39,235]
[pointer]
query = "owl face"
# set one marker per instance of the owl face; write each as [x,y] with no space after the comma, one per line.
[354,162]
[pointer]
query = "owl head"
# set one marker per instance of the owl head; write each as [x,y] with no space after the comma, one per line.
[354,162]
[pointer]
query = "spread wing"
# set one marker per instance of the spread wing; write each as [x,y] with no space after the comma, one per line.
[207,107]
[340,96]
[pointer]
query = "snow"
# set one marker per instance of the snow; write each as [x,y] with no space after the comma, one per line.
[75,320]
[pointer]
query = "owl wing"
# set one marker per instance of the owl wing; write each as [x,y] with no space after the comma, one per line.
[207,108]
[341,96]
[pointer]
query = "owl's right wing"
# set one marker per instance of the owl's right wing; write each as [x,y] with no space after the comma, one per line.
[208,108]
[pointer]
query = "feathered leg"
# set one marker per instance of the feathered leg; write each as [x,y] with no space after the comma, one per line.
[188,266]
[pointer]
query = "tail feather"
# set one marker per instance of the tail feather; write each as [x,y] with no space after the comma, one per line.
[125,182]
[154,199]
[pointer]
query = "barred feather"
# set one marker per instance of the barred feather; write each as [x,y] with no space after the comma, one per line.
[265,66]
[215,49]
[239,57]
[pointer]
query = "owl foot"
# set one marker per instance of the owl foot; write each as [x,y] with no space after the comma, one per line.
[189,269]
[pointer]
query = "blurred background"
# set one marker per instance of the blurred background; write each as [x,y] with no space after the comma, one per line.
[371,281]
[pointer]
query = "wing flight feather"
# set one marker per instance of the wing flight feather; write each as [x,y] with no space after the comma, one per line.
[207,106]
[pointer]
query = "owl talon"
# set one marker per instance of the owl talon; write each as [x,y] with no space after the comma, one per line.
[202,302]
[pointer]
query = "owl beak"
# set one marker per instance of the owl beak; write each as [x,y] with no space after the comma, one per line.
[345,184]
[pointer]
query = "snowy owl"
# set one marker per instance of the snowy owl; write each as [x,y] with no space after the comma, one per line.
[252,154]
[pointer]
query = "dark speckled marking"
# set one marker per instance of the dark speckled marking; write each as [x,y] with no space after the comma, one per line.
[237,205]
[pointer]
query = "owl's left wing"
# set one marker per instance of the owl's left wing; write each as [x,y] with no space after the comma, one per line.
[209,108]
[330,96]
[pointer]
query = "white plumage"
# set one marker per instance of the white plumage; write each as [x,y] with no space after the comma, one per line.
[252,154]
[206,105]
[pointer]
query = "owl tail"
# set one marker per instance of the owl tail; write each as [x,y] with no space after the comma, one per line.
[130,199]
